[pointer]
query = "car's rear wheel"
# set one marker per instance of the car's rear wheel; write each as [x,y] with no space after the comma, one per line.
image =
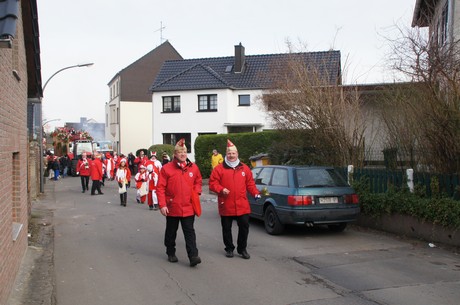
[273,226]
[338,227]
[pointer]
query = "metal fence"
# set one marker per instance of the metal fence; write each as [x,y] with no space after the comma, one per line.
[380,180]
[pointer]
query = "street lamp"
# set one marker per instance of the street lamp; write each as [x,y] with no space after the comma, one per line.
[42,179]
[65,68]
[48,121]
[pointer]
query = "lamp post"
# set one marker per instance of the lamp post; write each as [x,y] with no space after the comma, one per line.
[42,179]
[48,121]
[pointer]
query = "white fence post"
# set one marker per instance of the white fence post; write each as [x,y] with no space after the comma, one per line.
[350,174]
[410,179]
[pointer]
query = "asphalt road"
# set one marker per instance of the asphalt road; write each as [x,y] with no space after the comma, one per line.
[104,253]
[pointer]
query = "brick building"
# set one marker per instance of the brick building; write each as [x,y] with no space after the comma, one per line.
[20,92]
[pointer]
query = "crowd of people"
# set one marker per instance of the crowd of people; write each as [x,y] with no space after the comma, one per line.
[173,187]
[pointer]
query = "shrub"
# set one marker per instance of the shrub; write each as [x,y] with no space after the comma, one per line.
[439,210]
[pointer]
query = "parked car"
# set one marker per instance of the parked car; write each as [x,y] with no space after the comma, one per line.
[301,195]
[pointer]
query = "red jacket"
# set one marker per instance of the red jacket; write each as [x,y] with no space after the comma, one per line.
[141,161]
[96,169]
[239,181]
[84,167]
[174,188]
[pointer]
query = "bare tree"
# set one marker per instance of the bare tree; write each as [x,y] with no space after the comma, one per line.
[424,118]
[319,119]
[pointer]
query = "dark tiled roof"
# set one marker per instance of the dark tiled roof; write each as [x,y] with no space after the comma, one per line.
[137,78]
[9,12]
[259,71]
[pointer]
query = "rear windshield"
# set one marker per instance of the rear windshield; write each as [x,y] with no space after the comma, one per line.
[319,177]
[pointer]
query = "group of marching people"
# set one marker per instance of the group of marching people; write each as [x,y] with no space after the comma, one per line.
[147,179]
[101,167]
[174,188]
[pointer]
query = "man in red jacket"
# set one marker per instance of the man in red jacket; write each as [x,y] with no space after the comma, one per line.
[84,170]
[178,179]
[96,174]
[231,180]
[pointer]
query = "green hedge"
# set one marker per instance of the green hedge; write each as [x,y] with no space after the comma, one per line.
[440,210]
[248,144]
[160,149]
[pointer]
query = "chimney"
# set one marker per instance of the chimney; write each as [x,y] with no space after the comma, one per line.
[239,58]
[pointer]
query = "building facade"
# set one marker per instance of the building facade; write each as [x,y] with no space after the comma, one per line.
[222,95]
[128,117]
[20,91]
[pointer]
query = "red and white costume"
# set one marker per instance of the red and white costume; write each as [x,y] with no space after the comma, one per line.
[155,161]
[153,175]
[142,184]
[108,162]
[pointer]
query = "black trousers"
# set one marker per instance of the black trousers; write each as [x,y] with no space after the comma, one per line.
[84,182]
[243,232]
[172,224]
[96,186]
[123,197]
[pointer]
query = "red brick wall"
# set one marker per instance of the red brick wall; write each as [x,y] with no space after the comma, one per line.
[13,160]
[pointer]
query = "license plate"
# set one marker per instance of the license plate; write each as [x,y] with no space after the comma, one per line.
[327,200]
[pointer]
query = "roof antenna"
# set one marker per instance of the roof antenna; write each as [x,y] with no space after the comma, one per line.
[161,31]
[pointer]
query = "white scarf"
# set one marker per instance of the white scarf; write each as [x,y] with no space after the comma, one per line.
[232,164]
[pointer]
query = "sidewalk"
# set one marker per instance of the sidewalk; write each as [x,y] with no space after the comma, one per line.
[35,281]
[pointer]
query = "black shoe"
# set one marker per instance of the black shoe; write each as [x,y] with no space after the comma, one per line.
[92,194]
[155,207]
[150,207]
[138,201]
[87,188]
[100,193]
[195,261]
[229,253]
[244,254]
[172,259]
[83,191]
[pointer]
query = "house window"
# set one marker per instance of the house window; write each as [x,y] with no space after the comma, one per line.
[171,103]
[244,100]
[240,129]
[172,138]
[207,102]
[444,23]
[16,196]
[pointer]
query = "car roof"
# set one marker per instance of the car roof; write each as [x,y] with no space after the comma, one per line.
[295,166]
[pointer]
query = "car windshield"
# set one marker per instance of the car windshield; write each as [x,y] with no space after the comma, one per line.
[319,177]
[84,147]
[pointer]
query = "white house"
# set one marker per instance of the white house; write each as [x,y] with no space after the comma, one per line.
[128,120]
[219,95]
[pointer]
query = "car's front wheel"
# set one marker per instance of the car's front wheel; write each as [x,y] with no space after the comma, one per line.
[273,226]
[338,227]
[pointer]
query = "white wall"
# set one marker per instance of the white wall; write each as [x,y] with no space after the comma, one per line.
[136,126]
[189,120]
[112,130]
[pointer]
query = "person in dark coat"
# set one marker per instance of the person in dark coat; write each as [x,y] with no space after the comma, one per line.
[55,167]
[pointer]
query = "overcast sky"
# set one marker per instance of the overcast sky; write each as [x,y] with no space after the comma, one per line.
[114,33]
